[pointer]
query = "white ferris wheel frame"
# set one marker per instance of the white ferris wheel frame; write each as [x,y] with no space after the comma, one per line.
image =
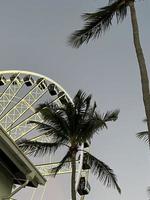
[18,72]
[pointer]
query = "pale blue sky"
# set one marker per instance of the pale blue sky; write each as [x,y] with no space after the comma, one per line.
[33,36]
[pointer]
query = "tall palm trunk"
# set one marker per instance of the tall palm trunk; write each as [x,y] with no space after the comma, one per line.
[142,65]
[73,177]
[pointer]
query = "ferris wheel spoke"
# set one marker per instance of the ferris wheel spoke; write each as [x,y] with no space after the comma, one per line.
[23,128]
[10,92]
[22,106]
[33,193]
[41,138]
[45,169]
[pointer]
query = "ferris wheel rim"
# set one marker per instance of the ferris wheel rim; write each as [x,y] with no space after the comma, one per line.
[26,72]
[38,75]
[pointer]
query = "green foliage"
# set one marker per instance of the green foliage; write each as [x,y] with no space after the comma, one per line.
[98,22]
[102,171]
[65,159]
[71,125]
[36,148]
[143,136]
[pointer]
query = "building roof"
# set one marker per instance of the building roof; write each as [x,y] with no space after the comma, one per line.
[16,163]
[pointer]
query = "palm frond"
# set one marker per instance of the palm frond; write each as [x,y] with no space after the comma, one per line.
[54,115]
[49,110]
[92,109]
[50,130]
[111,116]
[148,191]
[36,148]
[87,104]
[66,158]
[42,126]
[103,172]
[41,106]
[89,127]
[79,100]
[98,22]
[93,123]
[143,136]
[77,112]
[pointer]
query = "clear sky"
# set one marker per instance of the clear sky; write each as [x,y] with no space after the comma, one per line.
[33,36]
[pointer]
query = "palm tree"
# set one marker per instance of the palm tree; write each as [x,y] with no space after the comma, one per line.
[143,135]
[98,22]
[70,126]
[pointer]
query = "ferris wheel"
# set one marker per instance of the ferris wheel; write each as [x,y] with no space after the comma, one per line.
[20,92]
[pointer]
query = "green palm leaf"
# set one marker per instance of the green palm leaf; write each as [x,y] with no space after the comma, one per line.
[54,115]
[111,116]
[38,148]
[93,123]
[66,158]
[103,172]
[89,127]
[143,136]
[98,22]
[51,130]
[70,125]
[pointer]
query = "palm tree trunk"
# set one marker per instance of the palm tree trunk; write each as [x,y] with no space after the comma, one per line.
[142,65]
[73,177]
